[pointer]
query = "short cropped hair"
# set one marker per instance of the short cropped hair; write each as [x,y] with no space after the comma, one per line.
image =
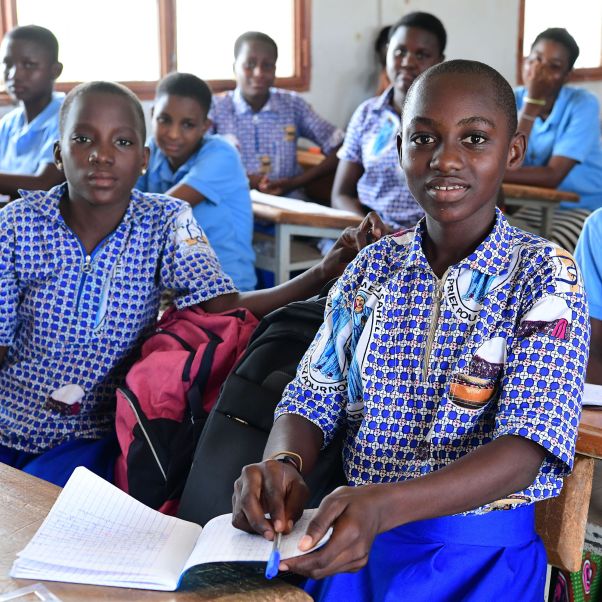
[102,87]
[41,36]
[563,37]
[501,90]
[254,36]
[186,85]
[424,21]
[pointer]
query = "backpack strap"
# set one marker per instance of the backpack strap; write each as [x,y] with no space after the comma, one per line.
[196,392]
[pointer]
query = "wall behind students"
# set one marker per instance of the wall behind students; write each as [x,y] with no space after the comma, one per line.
[343,33]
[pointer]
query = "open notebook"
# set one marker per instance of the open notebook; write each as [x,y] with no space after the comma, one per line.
[97,534]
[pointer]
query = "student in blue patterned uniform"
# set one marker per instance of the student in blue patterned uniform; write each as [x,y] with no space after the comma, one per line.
[562,124]
[204,170]
[265,122]
[453,356]
[82,268]
[368,176]
[30,65]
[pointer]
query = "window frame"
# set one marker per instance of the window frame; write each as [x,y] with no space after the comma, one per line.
[299,81]
[577,75]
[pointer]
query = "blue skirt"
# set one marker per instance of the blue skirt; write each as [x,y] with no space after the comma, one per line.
[494,556]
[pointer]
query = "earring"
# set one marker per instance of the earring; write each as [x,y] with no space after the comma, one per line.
[59,165]
[143,171]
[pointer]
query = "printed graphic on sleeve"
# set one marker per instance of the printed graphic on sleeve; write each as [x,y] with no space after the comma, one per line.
[550,315]
[567,273]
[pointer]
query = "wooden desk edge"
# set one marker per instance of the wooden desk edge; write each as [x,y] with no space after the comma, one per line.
[520,191]
[282,216]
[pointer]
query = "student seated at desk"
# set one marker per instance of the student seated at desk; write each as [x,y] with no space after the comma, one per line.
[82,268]
[30,66]
[368,176]
[453,356]
[204,170]
[265,122]
[562,124]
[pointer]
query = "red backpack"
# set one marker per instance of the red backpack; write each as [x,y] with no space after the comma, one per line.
[167,396]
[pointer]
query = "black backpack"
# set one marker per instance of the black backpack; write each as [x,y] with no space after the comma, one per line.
[237,429]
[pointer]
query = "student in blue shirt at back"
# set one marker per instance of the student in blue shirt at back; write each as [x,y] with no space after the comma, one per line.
[562,123]
[30,67]
[204,170]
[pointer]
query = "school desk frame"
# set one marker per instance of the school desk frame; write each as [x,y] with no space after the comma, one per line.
[546,199]
[280,252]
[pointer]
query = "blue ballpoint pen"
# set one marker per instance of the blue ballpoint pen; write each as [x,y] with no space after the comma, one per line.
[271,569]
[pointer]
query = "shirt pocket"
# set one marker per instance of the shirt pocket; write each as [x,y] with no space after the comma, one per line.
[471,393]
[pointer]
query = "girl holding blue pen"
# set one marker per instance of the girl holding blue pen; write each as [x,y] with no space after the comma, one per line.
[453,356]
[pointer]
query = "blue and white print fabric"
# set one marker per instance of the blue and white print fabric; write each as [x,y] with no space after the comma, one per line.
[421,371]
[371,141]
[69,320]
[267,140]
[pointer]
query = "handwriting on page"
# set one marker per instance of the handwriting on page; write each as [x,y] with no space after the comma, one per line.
[92,527]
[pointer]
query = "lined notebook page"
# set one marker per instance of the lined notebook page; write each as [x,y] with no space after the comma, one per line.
[96,533]
[221,542]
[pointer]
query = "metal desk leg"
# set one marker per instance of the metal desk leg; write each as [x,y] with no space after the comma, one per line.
[282,270]
[547,217]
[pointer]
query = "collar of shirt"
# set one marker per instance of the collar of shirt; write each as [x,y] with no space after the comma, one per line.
[383,102]
[241,106]
[48,114]
[492,256]
[47,203]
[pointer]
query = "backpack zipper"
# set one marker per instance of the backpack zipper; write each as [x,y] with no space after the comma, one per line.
[437,299]
[132,405]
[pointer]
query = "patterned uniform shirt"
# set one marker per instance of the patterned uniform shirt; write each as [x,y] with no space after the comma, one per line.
[420,371]
[69,320]
[267,140]
[370,141]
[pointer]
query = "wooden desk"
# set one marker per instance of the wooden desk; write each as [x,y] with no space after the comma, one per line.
[589,440]
[25,502]
[546,199]
[280,253]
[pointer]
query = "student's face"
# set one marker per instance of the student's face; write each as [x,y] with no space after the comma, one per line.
[255,69]
[102,149]
[551,59]
[179,124]
[411,51]
[27,71]
[455,148]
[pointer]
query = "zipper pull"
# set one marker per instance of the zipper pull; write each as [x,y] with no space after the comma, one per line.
[87,267]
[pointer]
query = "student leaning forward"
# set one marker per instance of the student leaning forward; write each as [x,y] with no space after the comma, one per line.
[453,355]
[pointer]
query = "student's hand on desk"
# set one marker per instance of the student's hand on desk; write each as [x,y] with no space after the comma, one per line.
[270,487]
[256,180]
[277,187]
[357,515]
